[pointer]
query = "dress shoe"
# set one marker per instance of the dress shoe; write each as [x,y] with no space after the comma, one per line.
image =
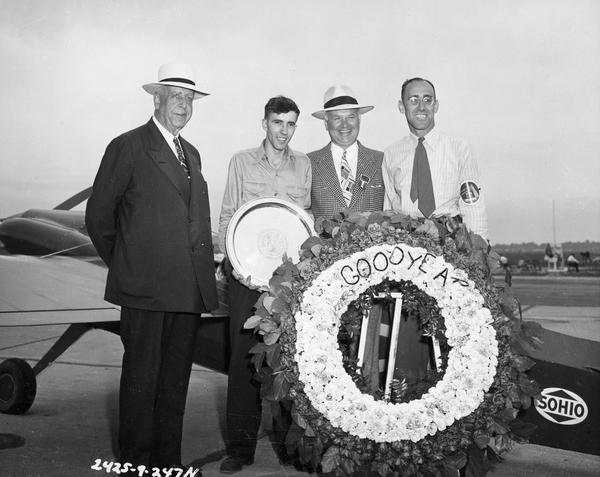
[233,464]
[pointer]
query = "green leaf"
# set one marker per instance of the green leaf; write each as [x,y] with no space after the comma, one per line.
[267,302]
[299,419]
[259,348]
[257,360]
[272,336]
[431,472]
[481,439]
[313,240]
[278,305]
[507,414]
[272,355]
[501,444]
[457,460]
[523,363]
[498,427]
[266,326]
[528,386]
[331,459]
[430,229]
[280,387]
[252,322]
[383,468]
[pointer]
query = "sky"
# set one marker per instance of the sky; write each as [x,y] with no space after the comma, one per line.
[519,80]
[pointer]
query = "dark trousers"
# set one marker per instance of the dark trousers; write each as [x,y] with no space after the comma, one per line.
[157,362]
[243,393]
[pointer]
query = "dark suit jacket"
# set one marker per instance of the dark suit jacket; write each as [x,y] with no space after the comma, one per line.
[326,194]
[151,226]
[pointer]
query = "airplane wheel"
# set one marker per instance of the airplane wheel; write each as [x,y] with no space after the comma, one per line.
[17,386]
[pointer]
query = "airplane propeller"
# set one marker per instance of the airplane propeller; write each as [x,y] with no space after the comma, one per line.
[74,200]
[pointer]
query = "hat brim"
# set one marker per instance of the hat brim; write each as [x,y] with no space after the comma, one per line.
[152,87]
[361,109]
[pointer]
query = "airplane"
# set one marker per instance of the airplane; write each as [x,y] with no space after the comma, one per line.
[49,254]
[51,274]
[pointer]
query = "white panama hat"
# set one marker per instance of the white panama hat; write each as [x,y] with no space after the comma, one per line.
[176,74]
[338,97]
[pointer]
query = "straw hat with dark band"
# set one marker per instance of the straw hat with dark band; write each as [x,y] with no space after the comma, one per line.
[176,74]
[338,97]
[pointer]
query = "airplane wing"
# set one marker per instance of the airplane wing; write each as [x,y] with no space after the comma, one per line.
[61,290]
[51,291]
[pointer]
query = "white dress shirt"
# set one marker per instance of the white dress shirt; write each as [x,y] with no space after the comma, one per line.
[351,157]
[166,134]
[451,164]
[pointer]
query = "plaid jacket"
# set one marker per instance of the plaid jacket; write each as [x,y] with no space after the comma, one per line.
[326,194]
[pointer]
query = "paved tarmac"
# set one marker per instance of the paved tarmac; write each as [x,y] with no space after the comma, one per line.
[73,421]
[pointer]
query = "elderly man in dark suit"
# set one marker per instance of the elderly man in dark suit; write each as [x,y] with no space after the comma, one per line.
[345,174]
[148,217]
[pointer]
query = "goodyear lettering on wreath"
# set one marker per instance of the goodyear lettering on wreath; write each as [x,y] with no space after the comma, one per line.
[561,406]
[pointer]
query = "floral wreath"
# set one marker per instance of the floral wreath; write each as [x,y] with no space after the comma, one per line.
[465,419]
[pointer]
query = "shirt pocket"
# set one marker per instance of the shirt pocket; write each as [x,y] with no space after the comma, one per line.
[253,190]
[297,193]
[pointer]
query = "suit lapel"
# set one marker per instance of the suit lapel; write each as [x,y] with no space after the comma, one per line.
[162,155]
[326,170]
[365,170]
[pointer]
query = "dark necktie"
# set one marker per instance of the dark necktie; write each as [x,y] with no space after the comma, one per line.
[181,157]
[421,186]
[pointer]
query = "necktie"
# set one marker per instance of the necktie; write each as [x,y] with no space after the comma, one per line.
[181,157]
[347,181]
[421,187]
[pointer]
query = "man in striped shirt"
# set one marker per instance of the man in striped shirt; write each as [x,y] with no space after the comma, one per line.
[428,174]
[446,164]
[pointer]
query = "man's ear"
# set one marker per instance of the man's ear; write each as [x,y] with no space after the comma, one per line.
[264,124]
[401,106]
[436,105]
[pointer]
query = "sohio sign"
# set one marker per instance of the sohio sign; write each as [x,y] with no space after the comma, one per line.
[561,406]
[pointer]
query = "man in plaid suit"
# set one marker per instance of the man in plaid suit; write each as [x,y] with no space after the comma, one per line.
[345,174]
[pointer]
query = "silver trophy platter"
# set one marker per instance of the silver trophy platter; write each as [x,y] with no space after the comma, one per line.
[261,233]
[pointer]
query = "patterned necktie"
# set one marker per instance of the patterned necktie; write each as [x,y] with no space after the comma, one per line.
[421,186]
[181,157]
[347,181]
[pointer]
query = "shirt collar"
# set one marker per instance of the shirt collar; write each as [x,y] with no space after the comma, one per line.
[262,153]
[164,131]
[431,139]
[352,149]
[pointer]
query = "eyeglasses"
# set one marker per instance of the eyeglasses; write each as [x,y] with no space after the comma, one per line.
[425,100]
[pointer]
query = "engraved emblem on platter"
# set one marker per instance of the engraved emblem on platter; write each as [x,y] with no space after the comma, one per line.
[271,243]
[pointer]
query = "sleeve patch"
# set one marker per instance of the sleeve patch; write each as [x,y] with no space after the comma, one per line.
[469,192]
